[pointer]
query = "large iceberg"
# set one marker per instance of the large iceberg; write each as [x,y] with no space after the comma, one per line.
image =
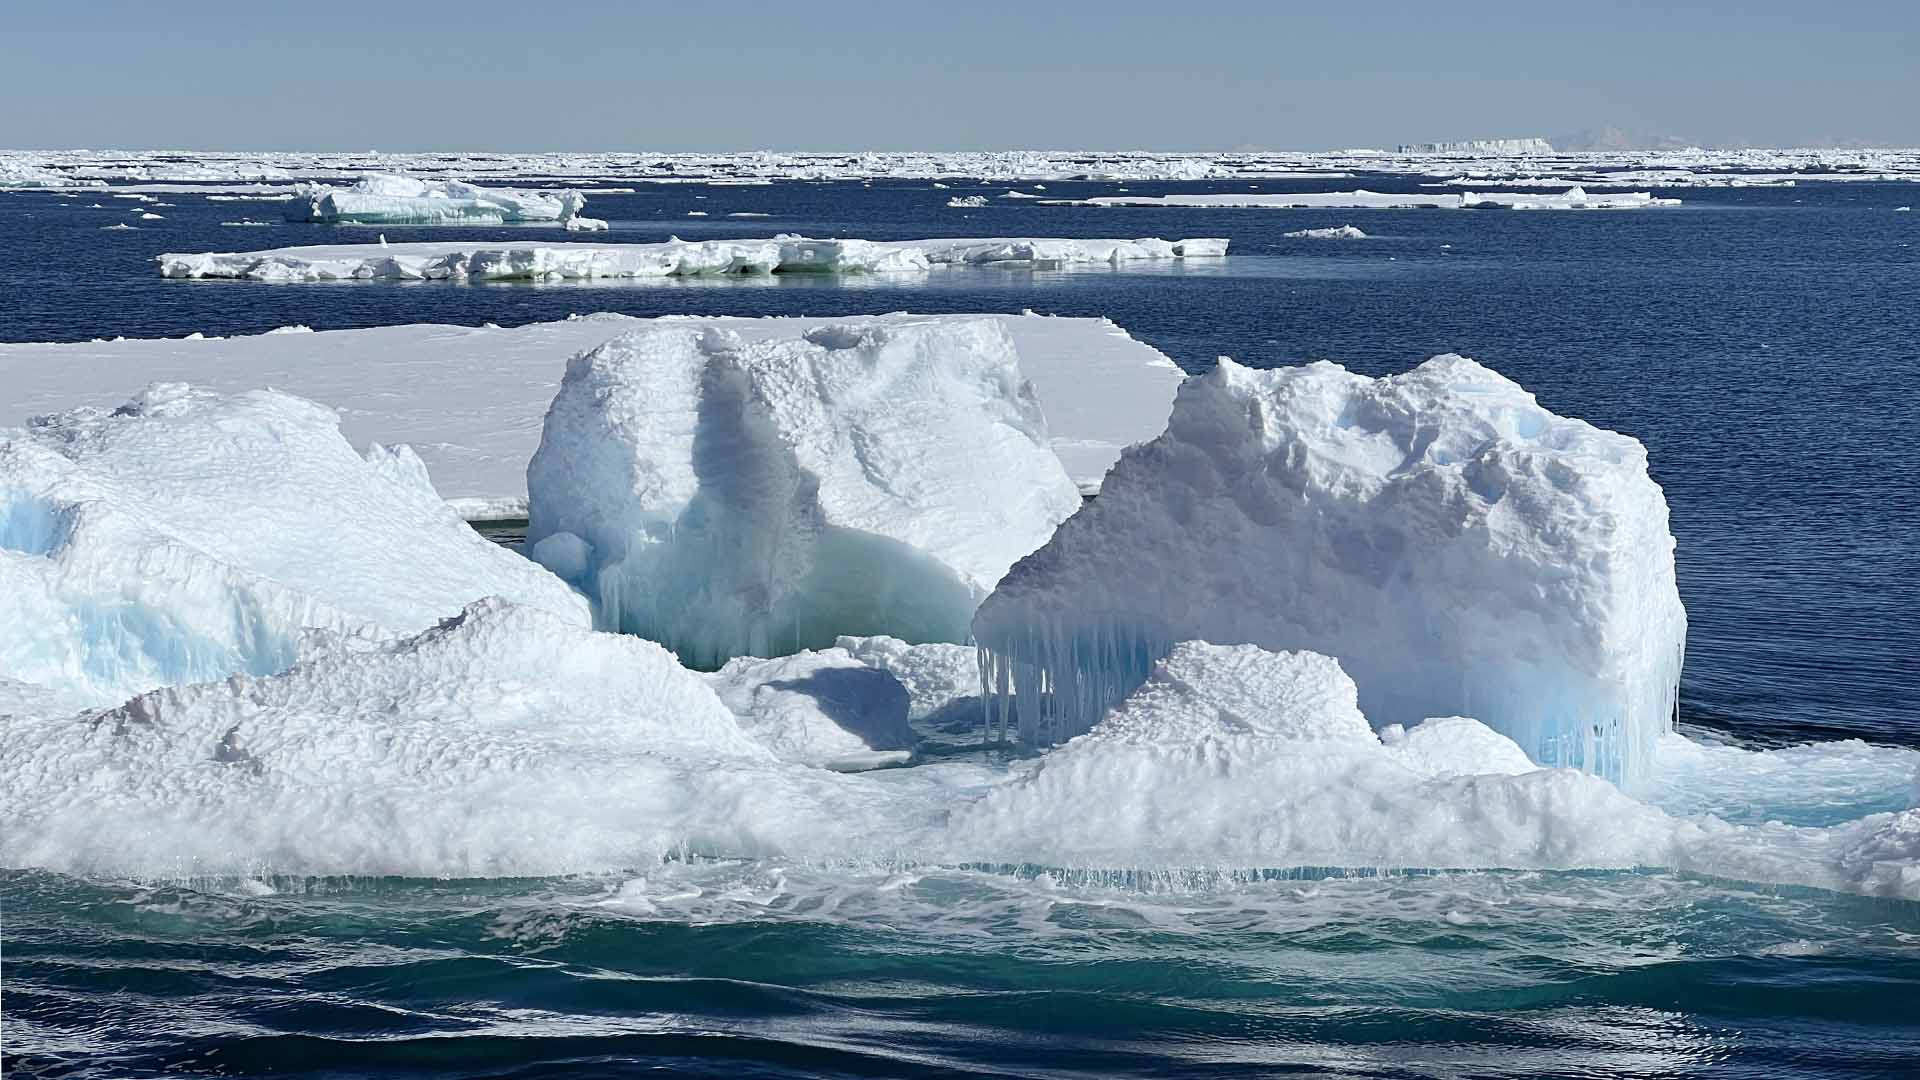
[466,260]
[1459,549]
[187,536]
[821,707]
[470,398]
[384,199]
[729,497]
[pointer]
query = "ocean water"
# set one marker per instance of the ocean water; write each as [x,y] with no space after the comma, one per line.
[1764,343]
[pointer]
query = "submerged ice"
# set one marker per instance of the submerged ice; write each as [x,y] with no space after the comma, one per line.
[1460,550]
[730,497]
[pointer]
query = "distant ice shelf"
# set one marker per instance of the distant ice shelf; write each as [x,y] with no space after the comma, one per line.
[1573,198]
[467,260]
[470,399]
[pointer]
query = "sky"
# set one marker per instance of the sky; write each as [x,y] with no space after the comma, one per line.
[829,75]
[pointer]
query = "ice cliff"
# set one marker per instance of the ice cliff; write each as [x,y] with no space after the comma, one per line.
[1459,549]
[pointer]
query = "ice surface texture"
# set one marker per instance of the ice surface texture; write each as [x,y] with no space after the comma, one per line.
[1460,550]
[187,536]
[468,260]
[385,199]
[729,497]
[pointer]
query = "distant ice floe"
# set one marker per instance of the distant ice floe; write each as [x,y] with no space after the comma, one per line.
[967,202]
[728,497]
[16,174]
[384,199]
[1338,232]
[1572,199]
[470,399]
[1460,550]
[586,173]
[483,261]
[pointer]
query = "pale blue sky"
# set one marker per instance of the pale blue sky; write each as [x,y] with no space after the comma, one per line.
[821,74]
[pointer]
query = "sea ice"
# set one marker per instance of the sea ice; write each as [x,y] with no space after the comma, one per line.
[186,536]
[729,497]
[469,399]
[1460,549]
[383,199]
[466,260]
[967,202]
[1338,232]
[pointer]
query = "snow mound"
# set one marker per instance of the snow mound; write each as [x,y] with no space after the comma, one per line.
[823,708]
[186,536]
[464,260]
[729,497]
[940,679]
[1338,232]
[1458,548]
[1231,755]
[503,740]
[385,199]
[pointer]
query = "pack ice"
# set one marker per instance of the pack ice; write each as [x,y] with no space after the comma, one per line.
[728,496]
[187,535]
[1459,549]
[386,199]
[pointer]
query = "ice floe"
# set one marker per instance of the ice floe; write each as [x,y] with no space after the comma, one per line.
[1460,549]
[728,497]
[383,199]
[1337,232]
[484,261]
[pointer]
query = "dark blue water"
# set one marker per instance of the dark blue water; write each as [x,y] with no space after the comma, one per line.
[1764,343]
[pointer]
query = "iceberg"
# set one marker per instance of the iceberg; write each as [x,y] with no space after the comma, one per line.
[187,536]
[966,202]
[1458,548]
[385,199]
[728,497]
[467,260]
[1338,232]
[469,399]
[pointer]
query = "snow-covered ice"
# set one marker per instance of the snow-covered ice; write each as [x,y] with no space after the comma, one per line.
[819,707]
[470,399]
[384,199]
[729,497]
[185,536]
[1337,232]
[966,202]
[1460,549]
[467,260]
